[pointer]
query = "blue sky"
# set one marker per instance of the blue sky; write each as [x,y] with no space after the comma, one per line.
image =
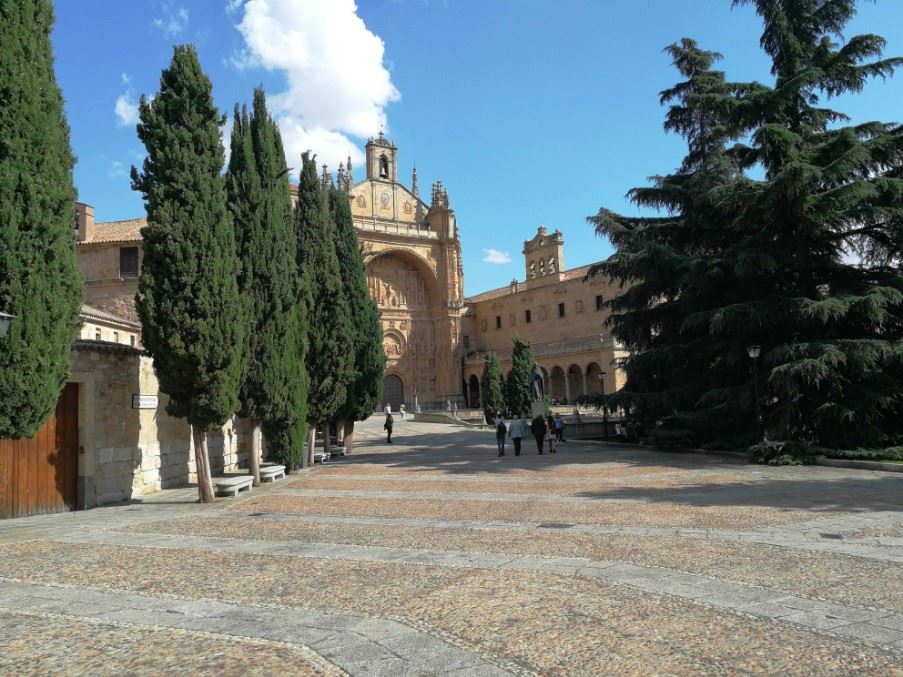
[530,111]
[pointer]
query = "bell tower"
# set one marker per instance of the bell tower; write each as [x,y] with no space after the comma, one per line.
[381,156]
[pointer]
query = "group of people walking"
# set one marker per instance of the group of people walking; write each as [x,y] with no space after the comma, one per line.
[545,429]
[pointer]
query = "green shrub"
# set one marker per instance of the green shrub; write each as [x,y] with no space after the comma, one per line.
[790,452]
[880,454]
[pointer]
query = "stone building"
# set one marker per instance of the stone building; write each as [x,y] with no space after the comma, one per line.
[559,311]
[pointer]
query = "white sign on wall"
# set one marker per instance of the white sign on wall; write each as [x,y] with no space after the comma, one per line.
[145,401]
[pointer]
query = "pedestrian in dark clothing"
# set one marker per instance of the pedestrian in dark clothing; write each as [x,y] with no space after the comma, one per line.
[559,428]
[539,430]
[387,426]
[550,427]
[500,431]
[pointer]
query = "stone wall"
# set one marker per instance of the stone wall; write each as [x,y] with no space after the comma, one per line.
[126,452]
[104,288]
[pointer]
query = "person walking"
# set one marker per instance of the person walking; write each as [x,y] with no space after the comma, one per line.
[516,432]
[539,430]
[388,408]
[401,409]
[387,426]
[550,433]
[559,428]
[500,430]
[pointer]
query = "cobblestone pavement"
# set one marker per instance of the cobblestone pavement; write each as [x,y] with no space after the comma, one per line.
[434,556]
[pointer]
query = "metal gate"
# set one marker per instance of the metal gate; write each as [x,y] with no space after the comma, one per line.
[40,475]
[393,391]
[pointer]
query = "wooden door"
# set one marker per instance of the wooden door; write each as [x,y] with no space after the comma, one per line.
[40,475]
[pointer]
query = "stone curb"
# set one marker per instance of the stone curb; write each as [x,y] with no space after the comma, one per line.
[860,465]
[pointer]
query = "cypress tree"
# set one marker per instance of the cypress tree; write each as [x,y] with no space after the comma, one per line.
[39,282]
[742,260]
[517,386]
[493,401]
[188,301]
[364,392]
[330,356]
[260,204]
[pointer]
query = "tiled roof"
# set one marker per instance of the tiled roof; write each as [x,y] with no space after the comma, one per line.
[567,276]
[90,312]
[118,231]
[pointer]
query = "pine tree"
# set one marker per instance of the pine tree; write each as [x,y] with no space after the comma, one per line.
[741,260]
[260,204]
[188,299]
[517,386]
[493,402]
[364,392]
[39,282]
[330,356]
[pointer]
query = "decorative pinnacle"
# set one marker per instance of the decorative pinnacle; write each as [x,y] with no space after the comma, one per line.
[414,187]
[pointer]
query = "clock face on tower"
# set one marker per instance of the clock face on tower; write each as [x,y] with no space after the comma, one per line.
[384,199]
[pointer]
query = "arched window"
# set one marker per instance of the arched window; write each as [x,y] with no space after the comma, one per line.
[383,167]
[542,267]
[532,269]
[552,265]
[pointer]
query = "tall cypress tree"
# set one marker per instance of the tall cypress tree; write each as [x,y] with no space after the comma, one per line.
[364,392]
[330,355]
[260,203]
[493,401]
[743,260]
[39,282]
[188,300]
[517,386]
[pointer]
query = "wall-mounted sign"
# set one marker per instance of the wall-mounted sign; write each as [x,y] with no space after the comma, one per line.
[145,401]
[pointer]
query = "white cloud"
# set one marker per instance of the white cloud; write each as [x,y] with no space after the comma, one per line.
[233,5]
[126,110]
[173,21]
[116,170]
[495,256]
[337,83]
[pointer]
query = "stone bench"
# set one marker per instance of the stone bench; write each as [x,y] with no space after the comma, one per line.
[232,484]
[271,473]
[321,457]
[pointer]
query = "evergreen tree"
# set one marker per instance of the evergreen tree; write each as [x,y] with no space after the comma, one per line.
[741,260]
[518,395]
[330,352]
[493,402]
[188,299]
[364,392]
[260,203]
[39,282]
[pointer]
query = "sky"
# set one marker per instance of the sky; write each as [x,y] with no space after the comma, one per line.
[531,112]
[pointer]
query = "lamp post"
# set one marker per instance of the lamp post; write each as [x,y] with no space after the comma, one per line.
[5,321]
[754,351]
[604,406]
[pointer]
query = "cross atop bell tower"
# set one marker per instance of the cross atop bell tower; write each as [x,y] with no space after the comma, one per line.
[381,163]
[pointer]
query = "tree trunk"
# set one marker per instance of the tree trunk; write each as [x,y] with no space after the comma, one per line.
[254,455]
[327,442]
[202,464]
[349,435]
[311,440]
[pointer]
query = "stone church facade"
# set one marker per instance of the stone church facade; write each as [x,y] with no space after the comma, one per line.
[434,338]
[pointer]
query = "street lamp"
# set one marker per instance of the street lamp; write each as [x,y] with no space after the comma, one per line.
[5,321]
[754,352]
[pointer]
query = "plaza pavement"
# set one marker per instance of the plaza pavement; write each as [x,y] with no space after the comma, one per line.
[433,556]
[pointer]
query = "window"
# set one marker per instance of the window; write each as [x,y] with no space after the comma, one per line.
[97,335]
[600,303]
[128,262]
[466,342]
[560,310]
[383,167]
[498,321]
[528,318]
[542,267]
[115,337]
[132,341]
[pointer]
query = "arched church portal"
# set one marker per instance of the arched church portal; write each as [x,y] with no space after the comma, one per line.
[393,391]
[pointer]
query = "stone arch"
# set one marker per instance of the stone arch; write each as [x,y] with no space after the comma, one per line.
[576,383]
[473,394]
[593,380]
[420,263]
[557,383]
[394,344]
[393,391]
